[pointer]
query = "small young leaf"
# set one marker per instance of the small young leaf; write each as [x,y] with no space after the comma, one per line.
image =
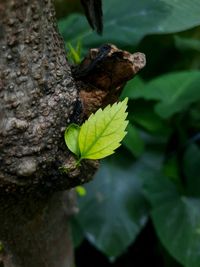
[81,191]
[74,54]
[71,138]
[102,133]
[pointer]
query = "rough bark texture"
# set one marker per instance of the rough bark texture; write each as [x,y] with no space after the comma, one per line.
[35,231]
[38,99]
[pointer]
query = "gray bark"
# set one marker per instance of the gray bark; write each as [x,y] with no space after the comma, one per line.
[38,99]
[37,95]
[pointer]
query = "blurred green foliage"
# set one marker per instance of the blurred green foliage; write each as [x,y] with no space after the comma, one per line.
[74,53]
[156,174]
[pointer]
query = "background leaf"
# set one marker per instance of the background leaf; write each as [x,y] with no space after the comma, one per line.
[176,219]
[174,91]
[114,209]
[192,169]
[133,86]
[141,113]
[133,141]
[133,20]
[187,43]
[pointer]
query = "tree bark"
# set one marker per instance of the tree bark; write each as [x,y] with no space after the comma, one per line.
[35,231]
[38,99]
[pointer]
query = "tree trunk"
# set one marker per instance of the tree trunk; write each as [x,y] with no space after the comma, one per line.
[38,99]
[35,231]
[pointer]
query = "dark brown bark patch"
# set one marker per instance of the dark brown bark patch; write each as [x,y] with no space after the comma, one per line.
[103,73]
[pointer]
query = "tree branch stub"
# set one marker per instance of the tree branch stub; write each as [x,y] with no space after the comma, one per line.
[103,73]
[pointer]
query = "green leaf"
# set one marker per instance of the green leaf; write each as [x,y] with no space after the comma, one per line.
[133,20]
[191,168]
[71,138]
[171,168]
[133,142]
[74,54]
[176,219]
[132,87]
[142,113]
[81,191]
[114,210]
[174,91]
[187,43]
[102,133]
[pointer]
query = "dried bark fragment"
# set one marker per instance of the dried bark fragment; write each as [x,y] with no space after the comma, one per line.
[103,73]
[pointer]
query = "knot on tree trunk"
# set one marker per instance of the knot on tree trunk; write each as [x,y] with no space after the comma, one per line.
[103,73]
